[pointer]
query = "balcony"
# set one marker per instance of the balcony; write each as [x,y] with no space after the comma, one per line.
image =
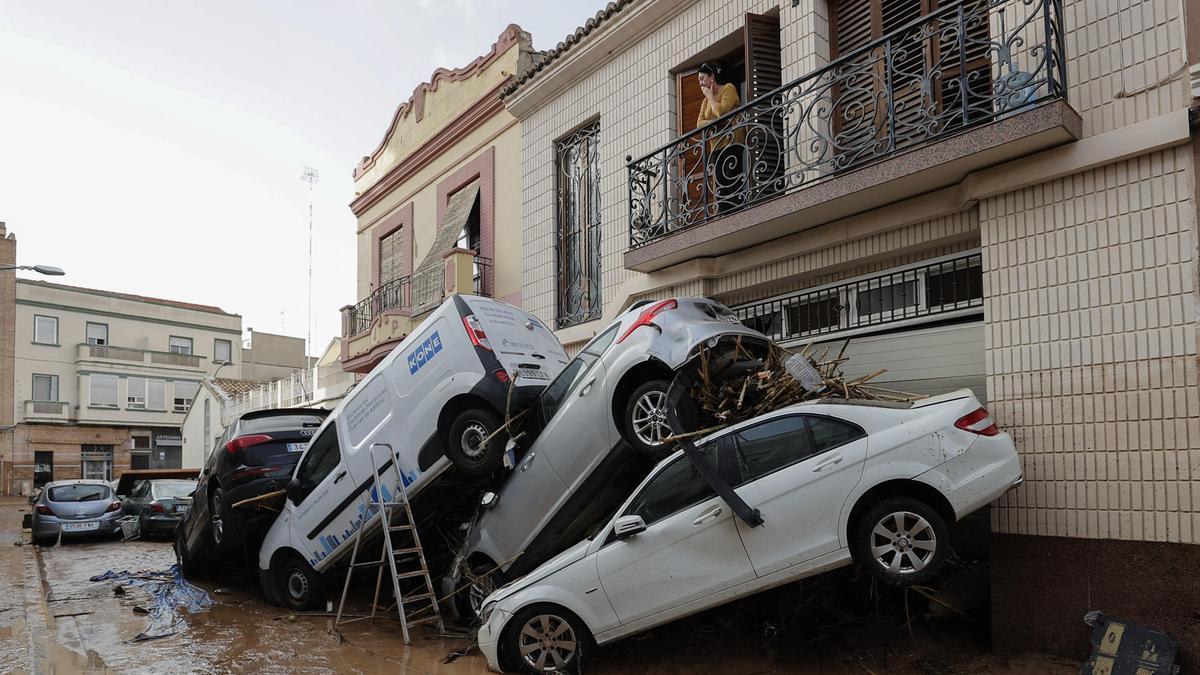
[126,355]
[414,295]
[882,123]
[47,411]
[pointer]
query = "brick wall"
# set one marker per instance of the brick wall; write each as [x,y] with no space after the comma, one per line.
[1091,336]
[66,443]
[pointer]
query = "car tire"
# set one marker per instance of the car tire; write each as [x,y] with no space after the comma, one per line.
[220,526]
[462,443]
[299,585]
[469,594]
[187,564]
[570,640]
[644,421]
[902,541]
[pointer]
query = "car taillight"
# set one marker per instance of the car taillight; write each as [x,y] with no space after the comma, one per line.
[246,441]
[156,507]
[43,509]
[502,375]
[978,422]
[115,506]
[646,318]
[475,331]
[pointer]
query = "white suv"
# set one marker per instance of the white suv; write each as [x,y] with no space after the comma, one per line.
[834,481]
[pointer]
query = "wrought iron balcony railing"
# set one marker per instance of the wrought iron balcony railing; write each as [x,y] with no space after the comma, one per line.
[930,290]
[393,294]
[961,66]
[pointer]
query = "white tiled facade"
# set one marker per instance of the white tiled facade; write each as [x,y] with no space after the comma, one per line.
[1089,278]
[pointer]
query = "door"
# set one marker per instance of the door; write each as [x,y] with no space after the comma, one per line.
[43,467]
[798,470]
[324,498]
[690,549]
[574,438]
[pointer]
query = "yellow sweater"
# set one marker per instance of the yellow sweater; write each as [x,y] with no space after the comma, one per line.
[727,100]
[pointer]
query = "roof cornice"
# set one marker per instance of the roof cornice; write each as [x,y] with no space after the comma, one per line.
[575,59]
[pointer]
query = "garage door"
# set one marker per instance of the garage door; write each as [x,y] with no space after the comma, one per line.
[925,361]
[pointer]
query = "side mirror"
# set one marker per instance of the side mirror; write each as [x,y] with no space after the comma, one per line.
[294,491]
[489,500]
[627,526]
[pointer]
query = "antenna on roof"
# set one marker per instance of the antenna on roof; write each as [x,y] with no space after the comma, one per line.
[310,176]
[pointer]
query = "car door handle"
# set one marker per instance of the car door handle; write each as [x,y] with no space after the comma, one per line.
[832,461]
[583,391]
[708,516]
[339,477]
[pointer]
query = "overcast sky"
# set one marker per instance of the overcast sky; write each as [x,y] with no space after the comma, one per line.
[156,147]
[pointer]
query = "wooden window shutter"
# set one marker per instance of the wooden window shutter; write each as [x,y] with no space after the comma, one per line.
[764,70]
[853,25]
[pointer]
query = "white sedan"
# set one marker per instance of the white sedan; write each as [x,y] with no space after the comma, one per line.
[835,482]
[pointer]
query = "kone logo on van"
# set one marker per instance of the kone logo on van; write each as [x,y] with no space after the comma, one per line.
[424,352]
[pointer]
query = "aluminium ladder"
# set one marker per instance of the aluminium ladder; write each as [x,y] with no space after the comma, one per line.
[397,520]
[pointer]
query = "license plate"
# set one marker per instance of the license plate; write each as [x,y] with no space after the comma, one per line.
[78,527]
[531,374]
[179,507]
[297,447]
[731,318]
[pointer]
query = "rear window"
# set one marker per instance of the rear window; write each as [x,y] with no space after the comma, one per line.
[79,493]
[266,425]
[172,489]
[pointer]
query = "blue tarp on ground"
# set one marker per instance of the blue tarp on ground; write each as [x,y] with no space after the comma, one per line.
[170,592]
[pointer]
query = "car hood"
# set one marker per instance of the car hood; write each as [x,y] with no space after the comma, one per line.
[558,562]
[682,329]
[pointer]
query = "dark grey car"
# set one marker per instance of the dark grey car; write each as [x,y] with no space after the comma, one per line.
[75,508]
[159,504]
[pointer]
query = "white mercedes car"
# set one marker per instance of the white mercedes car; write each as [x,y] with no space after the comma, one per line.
[836,481]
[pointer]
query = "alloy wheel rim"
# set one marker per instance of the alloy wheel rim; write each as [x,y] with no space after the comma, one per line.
[903,543]
[472,440]
[218,525]
[650,418]
[547,643]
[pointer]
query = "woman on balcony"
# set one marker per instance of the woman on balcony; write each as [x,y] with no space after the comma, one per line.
[726,176]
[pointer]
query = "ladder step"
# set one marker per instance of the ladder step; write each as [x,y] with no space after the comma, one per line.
[409,575]
[419,596]
[433,618]
[397,528]
[399,551]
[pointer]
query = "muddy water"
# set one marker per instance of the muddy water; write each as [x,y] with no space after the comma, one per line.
[53,620]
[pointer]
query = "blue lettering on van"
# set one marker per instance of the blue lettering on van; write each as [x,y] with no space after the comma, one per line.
[424,352]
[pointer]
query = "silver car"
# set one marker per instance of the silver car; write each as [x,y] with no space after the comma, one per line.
[596,431]
[74,508]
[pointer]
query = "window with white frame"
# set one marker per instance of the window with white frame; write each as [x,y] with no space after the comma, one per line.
[102,390]
[183,395]
[45,387]
[180,345]
[97,333]
[45,330]
[222,351]
[135,393]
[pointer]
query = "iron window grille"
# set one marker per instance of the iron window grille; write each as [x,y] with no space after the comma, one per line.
[577,171]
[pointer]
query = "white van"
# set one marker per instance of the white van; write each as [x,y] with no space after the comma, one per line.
[433,399]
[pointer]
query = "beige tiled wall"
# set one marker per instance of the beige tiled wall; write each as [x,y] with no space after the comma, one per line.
[1091,350]
[1124,45]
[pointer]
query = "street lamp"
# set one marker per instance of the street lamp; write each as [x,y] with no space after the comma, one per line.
[48,270]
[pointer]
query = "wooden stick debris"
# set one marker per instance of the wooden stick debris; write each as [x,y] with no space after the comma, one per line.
[260,498]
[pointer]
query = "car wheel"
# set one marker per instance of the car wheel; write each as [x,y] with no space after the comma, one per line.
[645,420]
[471,591]
[220,523]
[547,639]
[186,564]
[299,585]
[465,446]
[902,541]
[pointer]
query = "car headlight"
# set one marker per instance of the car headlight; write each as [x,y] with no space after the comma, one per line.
[485,613]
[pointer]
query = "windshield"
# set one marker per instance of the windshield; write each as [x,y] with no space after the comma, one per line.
[554,395]
[172,489]
[79,493]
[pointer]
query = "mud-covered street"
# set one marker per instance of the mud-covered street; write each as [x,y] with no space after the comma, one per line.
[54,620]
